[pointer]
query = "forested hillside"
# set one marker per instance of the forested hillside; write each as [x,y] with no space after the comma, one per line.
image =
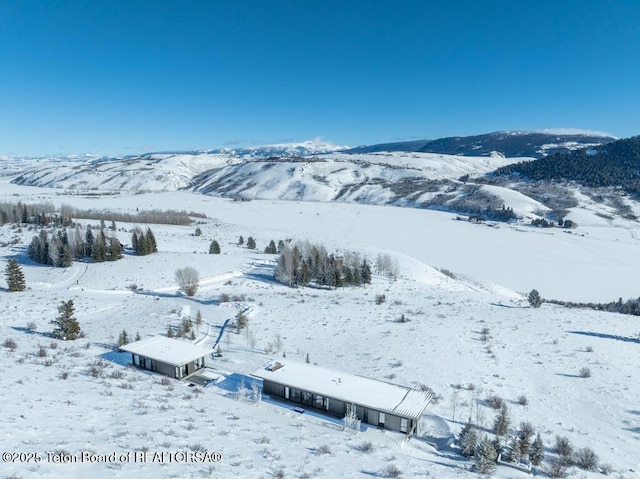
[614,164]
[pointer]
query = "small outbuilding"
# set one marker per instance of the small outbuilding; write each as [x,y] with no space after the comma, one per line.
[171,357]
[379,403]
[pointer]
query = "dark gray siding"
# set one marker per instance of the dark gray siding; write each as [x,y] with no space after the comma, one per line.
[336,407]
[164,368]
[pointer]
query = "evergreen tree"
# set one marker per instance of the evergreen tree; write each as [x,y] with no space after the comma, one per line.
[99,253]
[365,272]
[135,243]
[88,239]
[536,452]
[468,439]
[151,239]
[501,422]
[514,446]
[66,325]
[534,298]
[198,321]
[123,338]
[15,276]
[170,332]
[240,241]
[114,249]
[137,338]
[66,258]
[271,248]
[214,247]
[251,243]
[486,456]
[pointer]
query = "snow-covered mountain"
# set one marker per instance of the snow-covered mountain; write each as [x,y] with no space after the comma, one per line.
[319,171]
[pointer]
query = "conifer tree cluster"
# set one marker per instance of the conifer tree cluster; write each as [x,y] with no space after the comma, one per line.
[305,263]
[62,247]
[143,243]
[15,276]
[271,248]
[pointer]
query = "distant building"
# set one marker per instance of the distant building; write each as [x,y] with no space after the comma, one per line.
[379,403]
[171,357]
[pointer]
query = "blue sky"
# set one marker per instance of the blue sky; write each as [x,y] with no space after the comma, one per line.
[124,77]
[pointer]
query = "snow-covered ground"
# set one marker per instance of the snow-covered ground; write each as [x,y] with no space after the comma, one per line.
[531,352]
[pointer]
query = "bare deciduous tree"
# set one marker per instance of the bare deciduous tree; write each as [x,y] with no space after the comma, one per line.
[188,279]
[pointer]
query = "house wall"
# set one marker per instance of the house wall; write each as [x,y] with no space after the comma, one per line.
[336,407]
[165,368]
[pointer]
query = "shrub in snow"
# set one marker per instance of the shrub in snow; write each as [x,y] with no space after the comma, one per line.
[10,344]
[391,471]
[563,448]
[606,468]
[522,400]
[495,402]
[585,372]
[366,447]
[557,469]
[586,458]
[323,450]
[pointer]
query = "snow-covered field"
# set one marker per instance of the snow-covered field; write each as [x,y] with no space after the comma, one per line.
[531,352]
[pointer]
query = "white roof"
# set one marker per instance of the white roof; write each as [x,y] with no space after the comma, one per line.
[358,390]
[166,350]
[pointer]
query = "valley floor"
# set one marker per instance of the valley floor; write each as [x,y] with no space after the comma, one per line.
[74,398]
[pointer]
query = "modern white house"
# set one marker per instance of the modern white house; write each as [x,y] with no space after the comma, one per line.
[171,357]
[379,403]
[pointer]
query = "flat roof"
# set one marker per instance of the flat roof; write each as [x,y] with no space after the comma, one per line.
[166,350]
[359,390]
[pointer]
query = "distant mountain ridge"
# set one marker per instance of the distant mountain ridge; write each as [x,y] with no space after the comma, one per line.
[511,144]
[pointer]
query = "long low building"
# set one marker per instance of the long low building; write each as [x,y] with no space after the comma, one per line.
[172,357]
[379,403]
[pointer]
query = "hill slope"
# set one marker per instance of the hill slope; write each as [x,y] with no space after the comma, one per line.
[614,164]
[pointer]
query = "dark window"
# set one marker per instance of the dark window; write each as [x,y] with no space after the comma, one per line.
[295,395]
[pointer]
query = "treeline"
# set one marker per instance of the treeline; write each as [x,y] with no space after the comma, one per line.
[614,164]
[43,214]
[631,306]
[304,263]
[167,217]
[62,247]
